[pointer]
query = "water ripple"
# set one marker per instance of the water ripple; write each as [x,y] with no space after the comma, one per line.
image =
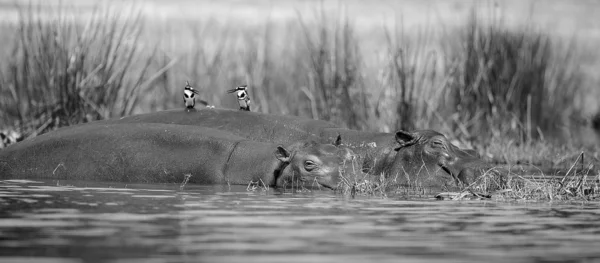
[161,223]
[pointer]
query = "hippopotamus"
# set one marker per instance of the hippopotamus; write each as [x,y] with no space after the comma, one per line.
[424,157]
[164,153]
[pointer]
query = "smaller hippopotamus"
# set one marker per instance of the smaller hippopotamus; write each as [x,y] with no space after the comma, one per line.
[427,158]
[163,153]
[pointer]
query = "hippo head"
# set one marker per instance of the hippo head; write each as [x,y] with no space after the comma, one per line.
[311,161]
[428,158]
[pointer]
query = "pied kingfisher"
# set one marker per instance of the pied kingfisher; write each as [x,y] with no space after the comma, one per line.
[189,97]
[9,136]
[242,96]
[189,94]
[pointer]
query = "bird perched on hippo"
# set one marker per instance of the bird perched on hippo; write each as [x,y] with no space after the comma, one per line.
[189,97]
[424,157]
[242,96]
[164,153]
[10,136]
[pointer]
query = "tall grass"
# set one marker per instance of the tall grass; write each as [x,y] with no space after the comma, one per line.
[476,82]
[334,70]
[412,79]
[511,82]
[63,70]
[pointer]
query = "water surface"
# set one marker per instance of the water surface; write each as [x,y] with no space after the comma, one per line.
[68,221]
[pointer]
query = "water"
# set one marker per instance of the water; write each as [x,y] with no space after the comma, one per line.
[50,221]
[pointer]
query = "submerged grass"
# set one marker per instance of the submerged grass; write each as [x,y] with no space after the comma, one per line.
[578,183]
[574,185]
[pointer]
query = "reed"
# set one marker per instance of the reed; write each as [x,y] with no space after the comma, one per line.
[63,71]
[412,81]
[333,68]
[502,82]
[514,83]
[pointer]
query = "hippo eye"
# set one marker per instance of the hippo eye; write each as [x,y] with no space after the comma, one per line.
[439,144]
[309,165]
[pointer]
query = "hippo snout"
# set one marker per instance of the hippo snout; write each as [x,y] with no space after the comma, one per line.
[469,174]
[323,176]
[330,180]
[465,167]
[328,176]
[466,176]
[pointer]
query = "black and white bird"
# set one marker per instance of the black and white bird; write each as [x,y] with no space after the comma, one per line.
[189,95]
[242,96]
[8,137]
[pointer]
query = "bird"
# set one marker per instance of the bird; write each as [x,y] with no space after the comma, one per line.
[242,96]
[10,136]
[189,97]
[189,94]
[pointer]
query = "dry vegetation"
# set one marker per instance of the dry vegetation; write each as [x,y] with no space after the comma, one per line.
[505,91]
[577,182]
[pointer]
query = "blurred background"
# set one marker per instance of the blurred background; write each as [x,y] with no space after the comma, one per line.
[492,75]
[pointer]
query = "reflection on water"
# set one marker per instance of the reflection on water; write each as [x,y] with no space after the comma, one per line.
[64,221]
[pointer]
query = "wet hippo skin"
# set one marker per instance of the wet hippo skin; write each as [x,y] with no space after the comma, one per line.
[154,152]
[425,157]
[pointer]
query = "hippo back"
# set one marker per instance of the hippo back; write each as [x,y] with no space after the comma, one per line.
[273,128]
[156,152]
[255,126]
[130,153]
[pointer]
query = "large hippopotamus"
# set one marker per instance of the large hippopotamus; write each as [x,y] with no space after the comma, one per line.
[154,153]
[424,157]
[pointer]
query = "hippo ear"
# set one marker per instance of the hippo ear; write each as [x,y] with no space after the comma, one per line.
[282,154]
[405,138]
[338,140]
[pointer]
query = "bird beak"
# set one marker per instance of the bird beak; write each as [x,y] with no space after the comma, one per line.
[231,90]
